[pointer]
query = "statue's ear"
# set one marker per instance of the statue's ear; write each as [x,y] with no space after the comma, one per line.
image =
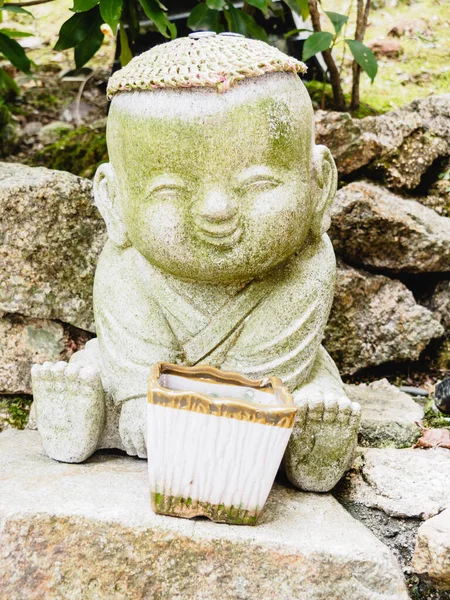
[324,183]
[105,195]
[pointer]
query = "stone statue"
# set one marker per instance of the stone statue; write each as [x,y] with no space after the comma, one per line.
[216,201]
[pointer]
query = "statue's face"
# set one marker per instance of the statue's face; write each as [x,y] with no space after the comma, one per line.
[219,198]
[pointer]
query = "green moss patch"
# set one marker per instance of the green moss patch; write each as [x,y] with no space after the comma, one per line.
[187,508]
[79,151]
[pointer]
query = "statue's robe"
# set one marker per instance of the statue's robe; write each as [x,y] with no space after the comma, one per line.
[270,326]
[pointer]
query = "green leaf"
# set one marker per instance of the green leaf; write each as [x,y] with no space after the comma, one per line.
[111,11]
[88,47]
[202,17]
[75,29]
[301,7]
[317,42]
[154,12]
[215,4]
[337,19]
[294,31]
[8,83]
[253,29]
[125,51]
[13,33]
[234,19]
[260,4]
[14,53]
[83,5]
[16,10]
[364,57]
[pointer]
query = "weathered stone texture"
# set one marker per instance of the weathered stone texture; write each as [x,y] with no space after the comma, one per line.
[87,532]
[52,235]
[432,552]
[405,166]
[374,320]
[24,342]
[439,304]
[374,227]
[389,416]
[399,146]
[403,483]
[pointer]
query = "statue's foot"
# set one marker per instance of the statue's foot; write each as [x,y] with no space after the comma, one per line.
[323,441]
[70,409]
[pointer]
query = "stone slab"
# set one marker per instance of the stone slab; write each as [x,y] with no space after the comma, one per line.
[390,418]
[432,552]
[87,532]
[403,483]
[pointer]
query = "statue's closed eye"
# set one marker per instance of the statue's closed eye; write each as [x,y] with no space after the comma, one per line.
[259,184]
[167,191]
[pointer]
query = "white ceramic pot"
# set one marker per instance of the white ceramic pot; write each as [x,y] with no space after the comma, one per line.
[215,441]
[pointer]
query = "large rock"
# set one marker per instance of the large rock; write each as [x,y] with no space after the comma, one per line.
[390,418]
[373,227]
[404,167]
[25,342]
[87,531]
[432,552]
[439,304]
[399,146]
[355,143]
[375,320]
[403,483]
[52,235]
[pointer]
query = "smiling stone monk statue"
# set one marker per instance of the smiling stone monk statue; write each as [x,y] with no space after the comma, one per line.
[217,203]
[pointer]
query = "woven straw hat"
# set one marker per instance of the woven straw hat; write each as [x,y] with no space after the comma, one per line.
[203,60]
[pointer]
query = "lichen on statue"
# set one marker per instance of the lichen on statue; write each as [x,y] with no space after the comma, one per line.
[216,201]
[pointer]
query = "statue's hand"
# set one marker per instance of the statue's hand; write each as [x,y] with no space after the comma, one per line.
[133,427]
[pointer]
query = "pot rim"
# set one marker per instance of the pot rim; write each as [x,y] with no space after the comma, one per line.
[282,415]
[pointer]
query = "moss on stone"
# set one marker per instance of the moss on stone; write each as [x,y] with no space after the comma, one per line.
[175,506]
[434,418]
[79,151]
[14,412]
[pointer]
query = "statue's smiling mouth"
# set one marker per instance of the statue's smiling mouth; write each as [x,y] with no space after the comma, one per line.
[219,234]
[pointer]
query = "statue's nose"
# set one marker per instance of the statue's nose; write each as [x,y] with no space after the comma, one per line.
[216,206]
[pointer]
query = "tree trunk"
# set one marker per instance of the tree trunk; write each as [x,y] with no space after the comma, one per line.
[362,17]
[338,94]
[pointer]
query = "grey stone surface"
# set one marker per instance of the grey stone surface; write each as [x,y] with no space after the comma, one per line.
[355,143]
[87,532]
[52,235]
[389,417]
[398,146]
[439,304]
[432,552]
[404,167]
[24,342]
[374,320]
[374,227]
[402,483]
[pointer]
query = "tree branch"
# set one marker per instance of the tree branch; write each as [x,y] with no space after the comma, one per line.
[25,4]
[338,94]
[362,18]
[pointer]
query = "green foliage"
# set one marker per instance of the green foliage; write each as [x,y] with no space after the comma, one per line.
[317,42]
[12,51]
[364,57]
[324,40]
[15,412]
[337,19]
[82,32]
